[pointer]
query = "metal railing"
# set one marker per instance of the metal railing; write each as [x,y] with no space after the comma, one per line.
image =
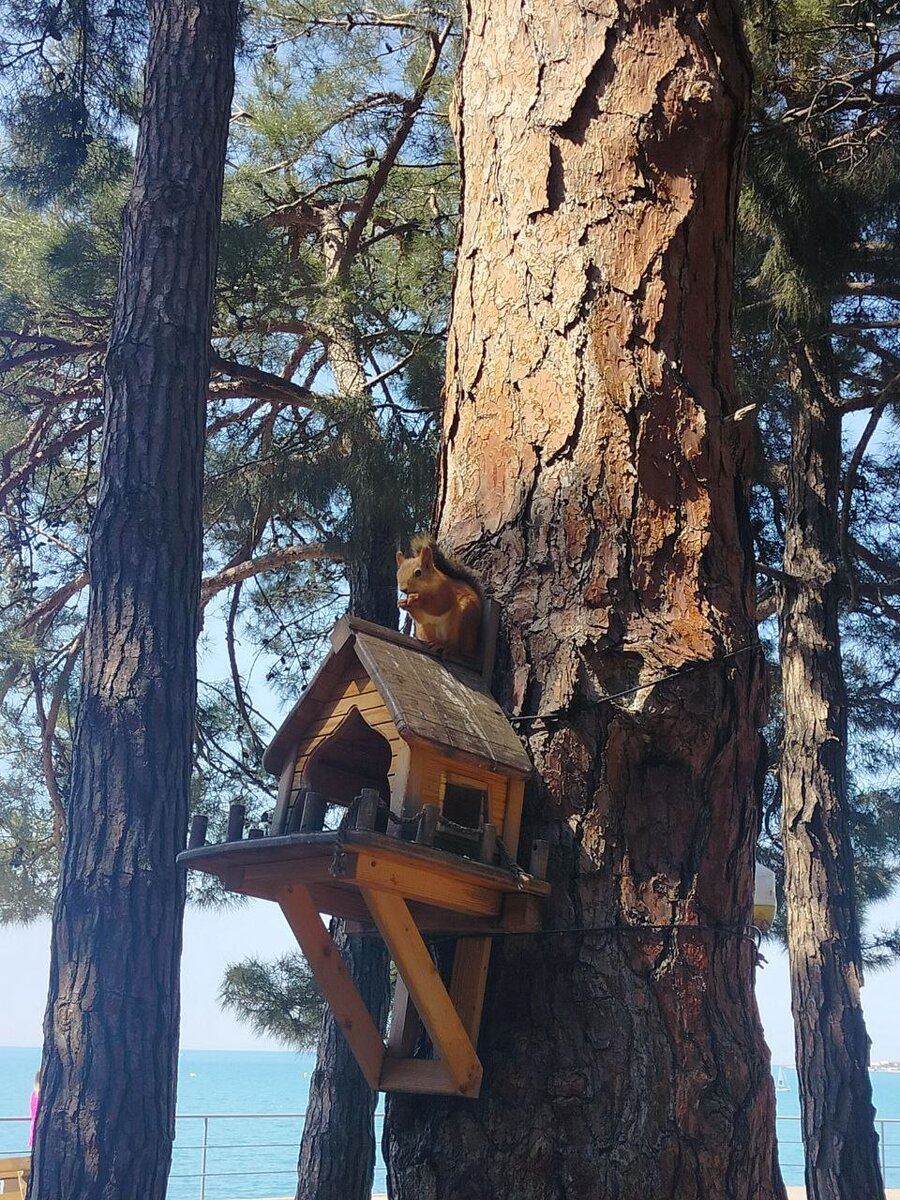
[235,1156]
[232,1157]
[222,1156]
[790,1149]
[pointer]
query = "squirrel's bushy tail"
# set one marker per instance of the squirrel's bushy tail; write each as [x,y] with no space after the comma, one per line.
[450,566]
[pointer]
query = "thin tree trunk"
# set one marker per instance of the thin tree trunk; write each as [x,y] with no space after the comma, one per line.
[823,933]
[591,472]
[371,565]
[337,1150]
[107,1112]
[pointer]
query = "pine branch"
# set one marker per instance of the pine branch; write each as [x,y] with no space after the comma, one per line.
[888,393]
[240,701]
[285,556]
[37,621]
[43,349]
[395,145]
[48,453]
[849,327]
[48,722]
[267,385]
[886,289]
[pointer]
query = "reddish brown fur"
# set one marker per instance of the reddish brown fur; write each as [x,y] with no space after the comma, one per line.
[441,597]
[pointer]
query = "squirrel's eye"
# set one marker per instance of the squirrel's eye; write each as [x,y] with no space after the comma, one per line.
[418,572]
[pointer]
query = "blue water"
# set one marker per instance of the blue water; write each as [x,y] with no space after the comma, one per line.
[248,1157]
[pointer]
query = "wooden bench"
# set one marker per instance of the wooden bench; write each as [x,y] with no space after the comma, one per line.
[14,1173]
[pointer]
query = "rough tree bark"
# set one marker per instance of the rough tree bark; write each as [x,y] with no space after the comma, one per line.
[590,471]
[107,1111]
[337,1151]
[823,932]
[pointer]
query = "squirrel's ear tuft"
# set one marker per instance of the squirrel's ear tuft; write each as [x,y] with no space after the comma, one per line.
[400,558]
[426,556]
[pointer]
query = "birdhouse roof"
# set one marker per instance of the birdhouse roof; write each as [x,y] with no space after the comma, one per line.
[430,699]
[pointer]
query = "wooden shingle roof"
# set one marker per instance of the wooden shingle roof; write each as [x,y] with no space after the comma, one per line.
[430,699]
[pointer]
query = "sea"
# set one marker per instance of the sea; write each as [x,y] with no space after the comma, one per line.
[240,1115]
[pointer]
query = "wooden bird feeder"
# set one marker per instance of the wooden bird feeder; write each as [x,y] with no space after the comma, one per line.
[411,761]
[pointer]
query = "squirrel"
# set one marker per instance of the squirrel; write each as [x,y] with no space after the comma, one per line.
[443,598]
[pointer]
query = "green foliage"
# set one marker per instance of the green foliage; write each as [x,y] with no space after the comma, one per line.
[277,999]
[303,456]
[822,169]
[72,85]
[818,262]
[29,858]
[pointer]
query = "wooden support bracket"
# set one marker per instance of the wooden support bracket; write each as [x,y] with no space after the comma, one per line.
[467,983]
[426,989]
[333,978]
[451,1018]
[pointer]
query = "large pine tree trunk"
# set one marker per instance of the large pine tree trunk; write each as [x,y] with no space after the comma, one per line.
[823,932]
[111,1031]
[590,471]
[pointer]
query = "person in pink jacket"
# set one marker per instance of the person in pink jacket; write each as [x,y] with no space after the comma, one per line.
[35,1101]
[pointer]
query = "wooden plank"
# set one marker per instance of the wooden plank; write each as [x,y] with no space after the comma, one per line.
[450,865]
[319,730]
[468,981]
[433,769]
[457,755]
[426,883]
[291,730]
[334,979]
[298,849]
[14,1173]
[521,913]
[365,700]
[399,776]
[432,920]
[386,729]
[14,1165]
[285,789]
[337,901]
[423,1076]
[348,625]
[432,1001]
[279,875]
[340,902]
[512,822]
[406,1026]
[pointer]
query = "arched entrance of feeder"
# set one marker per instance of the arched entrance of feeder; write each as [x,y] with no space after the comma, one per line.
[354,757]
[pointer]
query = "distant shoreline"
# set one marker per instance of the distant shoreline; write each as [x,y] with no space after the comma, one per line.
[880,1067]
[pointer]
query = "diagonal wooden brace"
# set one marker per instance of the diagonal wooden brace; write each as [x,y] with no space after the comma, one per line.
[334,979]
[426,989]
[421,993]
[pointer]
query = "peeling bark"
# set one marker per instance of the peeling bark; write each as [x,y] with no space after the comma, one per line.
[590,472]
[823,931]
[107,1114]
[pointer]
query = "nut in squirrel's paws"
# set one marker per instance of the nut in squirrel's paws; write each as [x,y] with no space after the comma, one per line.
[409,598]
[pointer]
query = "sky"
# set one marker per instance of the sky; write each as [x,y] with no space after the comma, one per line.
[215,938]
